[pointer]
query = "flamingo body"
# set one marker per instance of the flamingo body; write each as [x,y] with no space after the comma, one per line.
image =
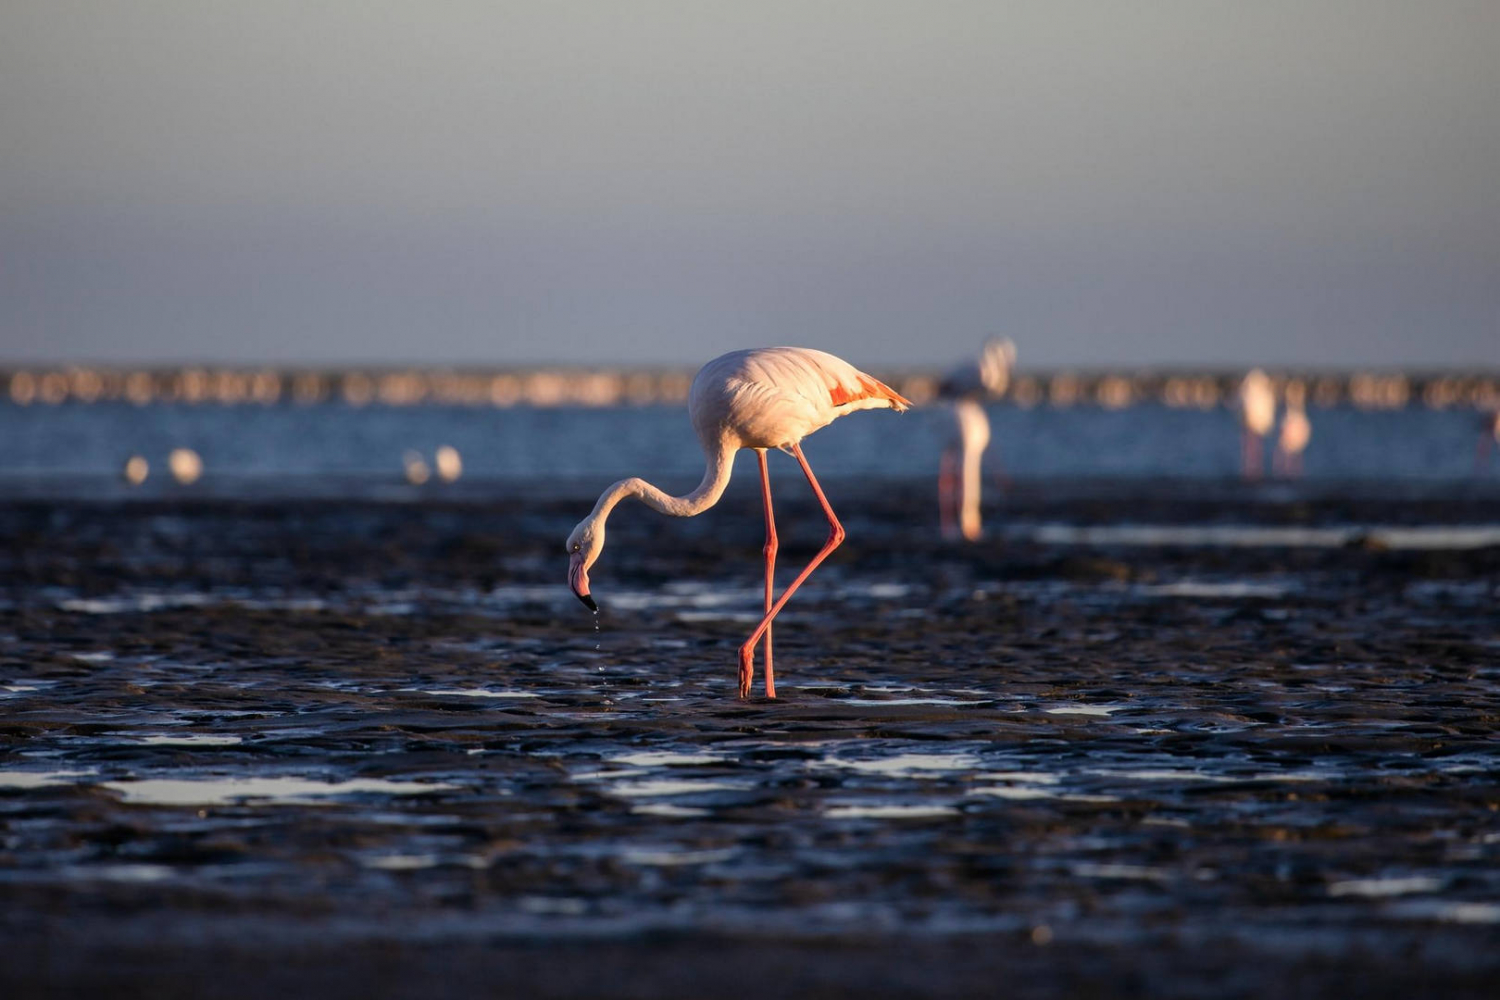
[1296,431]
[1257,403]
[773,397]
[770,397]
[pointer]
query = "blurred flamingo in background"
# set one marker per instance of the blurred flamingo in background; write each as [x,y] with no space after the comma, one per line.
[1489,437]
[770,397]
[964,389]
[1296,432]
[1257,405]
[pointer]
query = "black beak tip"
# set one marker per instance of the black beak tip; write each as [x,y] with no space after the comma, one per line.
[588,602]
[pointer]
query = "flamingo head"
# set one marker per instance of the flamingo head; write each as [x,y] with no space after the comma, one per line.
[584,546]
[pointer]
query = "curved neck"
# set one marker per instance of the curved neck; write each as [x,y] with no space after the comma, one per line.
[720,463]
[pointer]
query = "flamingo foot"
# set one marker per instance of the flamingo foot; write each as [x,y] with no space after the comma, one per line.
[747,669]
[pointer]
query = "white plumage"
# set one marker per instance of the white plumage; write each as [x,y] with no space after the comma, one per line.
[1257,402]
[773,397]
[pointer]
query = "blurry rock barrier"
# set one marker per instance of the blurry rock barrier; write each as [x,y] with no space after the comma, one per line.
[581,387]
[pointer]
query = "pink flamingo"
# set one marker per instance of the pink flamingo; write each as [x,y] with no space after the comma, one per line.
[958,470]
[770,397]
[1257,414]
[1489,435]
[1296,431]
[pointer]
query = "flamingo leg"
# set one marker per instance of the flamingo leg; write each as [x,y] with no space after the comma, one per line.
[835,537]
[969,485]
[770,551]
[947,502]
[1252,455]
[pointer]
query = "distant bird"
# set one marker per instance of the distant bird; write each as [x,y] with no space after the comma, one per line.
[136,470]
[1257,406]
[770,397]
[1489,437]
[1296,431]
[415,467]
[449,465]
[185,465]
[964,389]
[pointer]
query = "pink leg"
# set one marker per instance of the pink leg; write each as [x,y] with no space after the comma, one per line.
[947,495]
[1482,454]
[1251,455]
[770,550]
[835,537]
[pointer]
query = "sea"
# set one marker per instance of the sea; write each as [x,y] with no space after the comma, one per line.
[334,448]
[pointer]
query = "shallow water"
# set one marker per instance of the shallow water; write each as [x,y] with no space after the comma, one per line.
[389,720]
[333,449]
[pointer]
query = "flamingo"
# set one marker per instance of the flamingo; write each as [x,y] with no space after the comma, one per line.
[1296,431]
[959,467]
[769,397]
[1257,414]
[1489,436]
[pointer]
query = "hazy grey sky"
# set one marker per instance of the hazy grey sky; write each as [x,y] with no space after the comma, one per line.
[1107,182]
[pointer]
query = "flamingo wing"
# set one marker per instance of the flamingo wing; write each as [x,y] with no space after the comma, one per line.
[829,381]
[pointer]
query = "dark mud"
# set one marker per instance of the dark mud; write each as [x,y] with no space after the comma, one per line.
[341,747]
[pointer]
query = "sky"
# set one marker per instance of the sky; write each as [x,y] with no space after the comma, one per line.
[1158,182]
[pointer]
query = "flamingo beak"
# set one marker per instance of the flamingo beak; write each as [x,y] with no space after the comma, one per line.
[578,579]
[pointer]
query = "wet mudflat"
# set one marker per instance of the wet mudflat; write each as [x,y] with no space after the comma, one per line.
[344,747]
